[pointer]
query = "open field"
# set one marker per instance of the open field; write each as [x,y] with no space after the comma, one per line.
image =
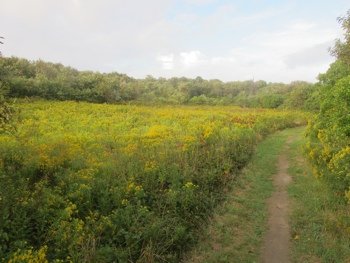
[91,182]
[174,131]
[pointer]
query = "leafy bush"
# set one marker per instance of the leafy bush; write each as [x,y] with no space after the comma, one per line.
[329,137]
[329,133]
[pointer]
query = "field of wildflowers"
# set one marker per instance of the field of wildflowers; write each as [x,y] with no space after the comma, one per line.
[84,182]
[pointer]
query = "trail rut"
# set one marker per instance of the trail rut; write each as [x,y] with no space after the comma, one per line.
[276,243]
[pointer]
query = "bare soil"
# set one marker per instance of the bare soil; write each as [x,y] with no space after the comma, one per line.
[276,245]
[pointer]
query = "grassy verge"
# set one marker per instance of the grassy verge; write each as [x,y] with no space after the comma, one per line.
[320,221]
[235,231]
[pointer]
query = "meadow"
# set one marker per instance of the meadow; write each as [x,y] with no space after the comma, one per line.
[85,182]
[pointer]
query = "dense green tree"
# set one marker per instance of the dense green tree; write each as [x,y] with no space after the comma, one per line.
[301,96]
[25,78]
[329,133]
[341,49]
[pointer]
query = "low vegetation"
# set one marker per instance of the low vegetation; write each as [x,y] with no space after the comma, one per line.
[320,217]
[236,230]
[91,182]
[89,173]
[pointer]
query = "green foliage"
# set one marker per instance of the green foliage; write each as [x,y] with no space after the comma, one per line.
[227,238]
[86,182]
[55,81]
[320,218]
[329,133]
[271,101]
[303,97]
[6,117]
[7,111]
[341,49]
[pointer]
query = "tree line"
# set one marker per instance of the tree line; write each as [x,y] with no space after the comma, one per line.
[21,78]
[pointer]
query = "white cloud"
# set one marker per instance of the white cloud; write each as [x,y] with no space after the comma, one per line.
[294,37]
[297,51]
[191,58]
[311,56]
[302,26]
[199,2]
[213,39]
[167,61]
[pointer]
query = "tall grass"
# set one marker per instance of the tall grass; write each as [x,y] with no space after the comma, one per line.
[106,183]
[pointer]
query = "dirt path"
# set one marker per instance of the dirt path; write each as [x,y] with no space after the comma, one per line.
[276,244]
[258,195]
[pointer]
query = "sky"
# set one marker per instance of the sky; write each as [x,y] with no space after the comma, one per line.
[272,40]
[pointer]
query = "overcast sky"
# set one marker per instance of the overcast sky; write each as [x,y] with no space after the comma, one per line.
[273,40]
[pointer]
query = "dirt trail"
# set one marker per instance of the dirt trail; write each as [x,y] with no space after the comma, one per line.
[276,244]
